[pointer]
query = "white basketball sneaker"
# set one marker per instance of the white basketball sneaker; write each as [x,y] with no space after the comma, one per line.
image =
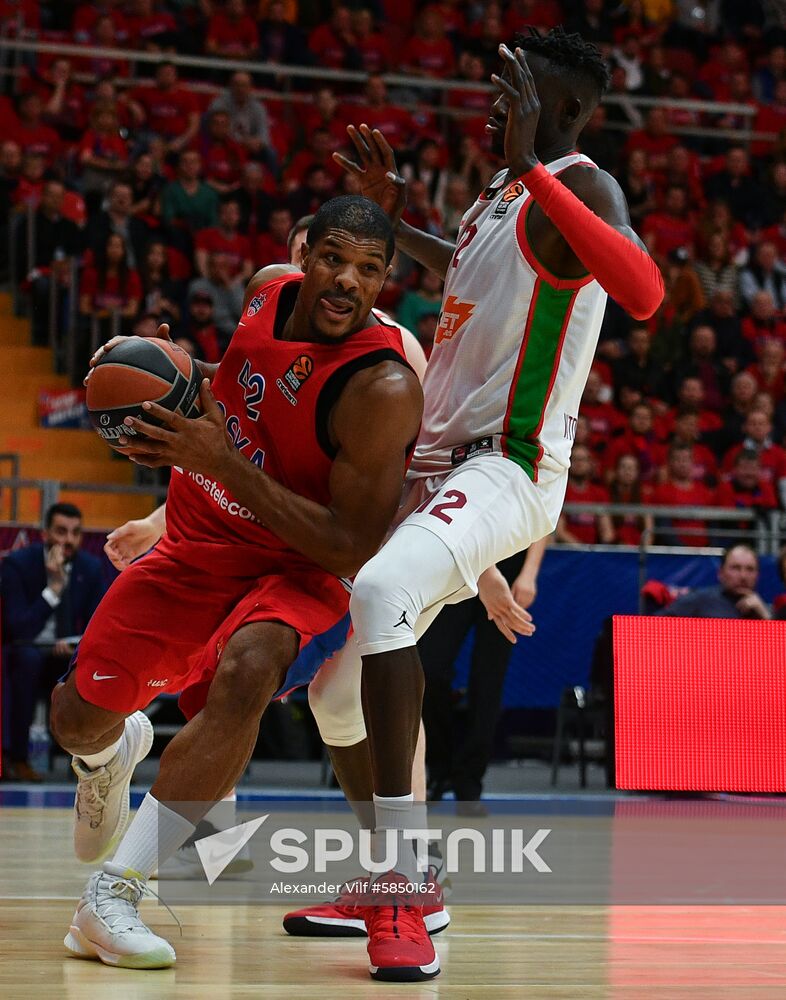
[107,925]
[102,798]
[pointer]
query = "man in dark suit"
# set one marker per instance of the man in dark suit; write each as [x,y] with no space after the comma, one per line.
[49,592]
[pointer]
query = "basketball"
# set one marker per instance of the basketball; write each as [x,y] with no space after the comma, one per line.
[137,370]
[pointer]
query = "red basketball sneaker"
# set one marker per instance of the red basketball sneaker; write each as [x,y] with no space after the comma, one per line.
[344,917]
[399,946]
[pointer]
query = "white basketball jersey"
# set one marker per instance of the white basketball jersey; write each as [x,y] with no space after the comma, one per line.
[513,346]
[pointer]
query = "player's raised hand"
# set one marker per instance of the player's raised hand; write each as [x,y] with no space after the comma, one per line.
[518,87]
[162,333]
[376,170]
[130,541]
[198,445]
[509,617]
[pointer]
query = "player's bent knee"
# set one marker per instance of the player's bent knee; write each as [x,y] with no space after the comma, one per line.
[76,722]
[253,666]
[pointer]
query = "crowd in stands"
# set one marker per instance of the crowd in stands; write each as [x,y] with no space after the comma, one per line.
[170,186]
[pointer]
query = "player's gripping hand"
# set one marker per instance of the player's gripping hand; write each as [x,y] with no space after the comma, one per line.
[130,541]
[376,170]
[198,444]
[518,87]
[509,617]
[162,333]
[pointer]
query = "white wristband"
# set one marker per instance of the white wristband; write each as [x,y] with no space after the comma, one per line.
[51,598]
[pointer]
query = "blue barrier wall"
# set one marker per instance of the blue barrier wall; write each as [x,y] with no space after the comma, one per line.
[577,591]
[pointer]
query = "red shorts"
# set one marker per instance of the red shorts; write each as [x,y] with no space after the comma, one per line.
[163,625]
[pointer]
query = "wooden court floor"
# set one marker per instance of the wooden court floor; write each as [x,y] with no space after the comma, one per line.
[554,953]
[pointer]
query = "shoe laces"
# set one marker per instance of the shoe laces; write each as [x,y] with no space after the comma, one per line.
[397,922]
[117,902]
[91,795]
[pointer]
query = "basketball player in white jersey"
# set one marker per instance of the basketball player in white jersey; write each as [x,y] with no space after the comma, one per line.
[525,292]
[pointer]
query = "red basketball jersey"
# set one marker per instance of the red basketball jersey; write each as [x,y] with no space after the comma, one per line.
[276,396]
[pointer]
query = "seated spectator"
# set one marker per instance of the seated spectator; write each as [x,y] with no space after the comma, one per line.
[592,22]
[757,431]
[426,300]
[32,178]
[64,100]
[687,432]
[225,292]
[426,166]
[742,394]
[420,211]
[452,206]
[326,113]
[701,362]
[104,35]
[672,228]
[654,139]
[166,109]
[151,28]
[770,118]
[599,144]
[637,439]
[628,55]
[735,185]
[371,43]
[333,44]
[227,240]
[763,323]
[317,187]
[56,240]
[189,202]
[279,40]
[636,369]
[272,245]
[766,273]
[734,597]
[395,123]
[484,43]
[117,218]
[690,399]
[774,194]
[716,270]
[429,52]
[200,329]
[318,153]
[88,14]
[146,185]
[768,74]
[102,152]
[110,288]
[50,590]
[638,186]
[680,489]
[32,133]
[734,351]
[747,488]
[231,33]
[255,197]
[603,418]
[768,370]
[627,488]
[161,295]
[223,158]
[249,122]
[588,529]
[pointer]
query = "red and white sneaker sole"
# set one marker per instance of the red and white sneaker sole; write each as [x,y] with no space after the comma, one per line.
[310,925]
[405,973]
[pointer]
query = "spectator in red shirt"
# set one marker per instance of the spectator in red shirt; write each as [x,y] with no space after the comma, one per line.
[747,486]
[151,28]
[681,490]
[326,113]
[333,44]
[395,123]
[32,134]
[428,52]
[603,418]
[768,370]
[223,158]
[586,528]
[272,245]
[225,239]
[672,228]
[627,488]
[319,153]
[280,41]
[103,153]
[758,439]
[637,439]
[231,33]
[111,286]
[64,100]
[690,399]
[654,139]
[485,40]
[702,362]
[104,36]
[200,327]
[371,43]
[88,14]
[166,109]
[31,180]
[255,197]
[763,323]
[688,433]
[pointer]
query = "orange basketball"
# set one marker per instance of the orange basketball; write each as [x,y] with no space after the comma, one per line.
[140,369]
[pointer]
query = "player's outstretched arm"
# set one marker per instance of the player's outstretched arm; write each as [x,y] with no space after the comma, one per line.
[380,181]
[373,423]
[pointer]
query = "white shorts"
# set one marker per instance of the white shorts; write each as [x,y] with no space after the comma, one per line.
[485,510]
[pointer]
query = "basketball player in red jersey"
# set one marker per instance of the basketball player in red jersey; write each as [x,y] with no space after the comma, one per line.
[286,483]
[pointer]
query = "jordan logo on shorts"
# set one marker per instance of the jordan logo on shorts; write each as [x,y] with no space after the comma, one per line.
[402,620]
